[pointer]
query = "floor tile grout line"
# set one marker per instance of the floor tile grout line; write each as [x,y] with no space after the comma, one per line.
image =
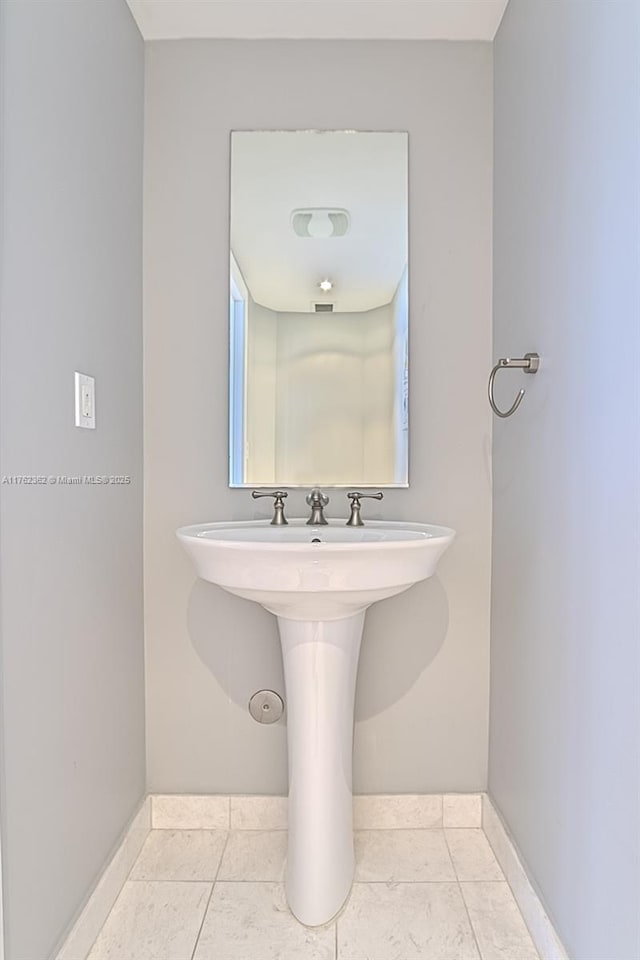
[451,860]
[473,929]
[204,917]
[268,829]
[281,881]
[213,886]
[165,879]
[471,879]
[464,902]
[499,865]
[147,880]
[405,883]
[504,882]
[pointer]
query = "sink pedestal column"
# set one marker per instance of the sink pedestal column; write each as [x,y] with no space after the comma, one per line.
[320,668]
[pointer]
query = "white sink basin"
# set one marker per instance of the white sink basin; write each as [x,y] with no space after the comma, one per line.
[285,571]
[319,591]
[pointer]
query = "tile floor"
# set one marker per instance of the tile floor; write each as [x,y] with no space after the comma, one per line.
[428,893]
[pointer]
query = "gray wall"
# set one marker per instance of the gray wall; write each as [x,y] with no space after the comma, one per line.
[565,622]
[422,703]
[71,563]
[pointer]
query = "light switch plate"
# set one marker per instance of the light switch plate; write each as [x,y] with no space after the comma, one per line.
[85,388]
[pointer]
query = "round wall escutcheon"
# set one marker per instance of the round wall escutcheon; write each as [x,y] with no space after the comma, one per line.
[266,706]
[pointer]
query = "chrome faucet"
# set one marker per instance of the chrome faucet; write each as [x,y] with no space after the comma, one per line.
[355,520]
[279,519]
[317,500]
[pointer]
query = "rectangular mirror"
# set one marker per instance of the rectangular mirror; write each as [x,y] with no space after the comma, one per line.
[318,309]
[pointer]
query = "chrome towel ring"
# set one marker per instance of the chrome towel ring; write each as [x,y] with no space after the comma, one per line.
[530,363]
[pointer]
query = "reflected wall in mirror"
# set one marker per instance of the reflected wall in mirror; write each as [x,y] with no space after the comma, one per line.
[318,309]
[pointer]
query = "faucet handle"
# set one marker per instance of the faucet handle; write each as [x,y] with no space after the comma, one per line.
[355,520]
[279,519]
[317,497]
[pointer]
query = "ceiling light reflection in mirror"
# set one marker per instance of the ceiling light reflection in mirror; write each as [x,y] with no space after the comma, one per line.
[318,309]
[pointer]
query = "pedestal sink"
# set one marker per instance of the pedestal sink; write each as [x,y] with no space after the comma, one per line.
[318,581]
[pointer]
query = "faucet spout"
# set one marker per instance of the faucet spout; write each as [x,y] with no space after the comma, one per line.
[317,500]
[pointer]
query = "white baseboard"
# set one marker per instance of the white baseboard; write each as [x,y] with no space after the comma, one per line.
[88,925]
[543,934]
[370,812]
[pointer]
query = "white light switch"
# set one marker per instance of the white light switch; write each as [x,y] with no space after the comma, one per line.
[85,401]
